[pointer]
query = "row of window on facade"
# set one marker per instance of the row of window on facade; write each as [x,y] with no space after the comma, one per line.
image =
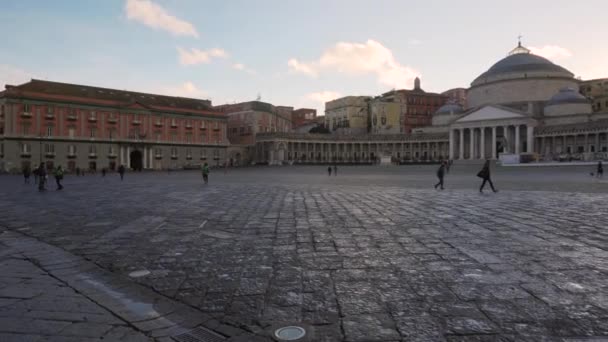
[73,112]
[134,134]
[49,149]
[248,130]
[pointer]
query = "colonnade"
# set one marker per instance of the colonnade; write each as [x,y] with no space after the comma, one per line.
[487,141]
[349,152]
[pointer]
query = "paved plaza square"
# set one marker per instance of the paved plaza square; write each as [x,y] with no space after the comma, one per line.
[372,254]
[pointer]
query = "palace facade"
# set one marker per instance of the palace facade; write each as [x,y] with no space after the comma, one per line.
[91,128]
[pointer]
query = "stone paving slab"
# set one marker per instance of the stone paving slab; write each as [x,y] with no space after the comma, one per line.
[349,262]
[39,302]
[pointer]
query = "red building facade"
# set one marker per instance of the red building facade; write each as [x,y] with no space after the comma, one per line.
[87,127]
[303,116]
[417,106]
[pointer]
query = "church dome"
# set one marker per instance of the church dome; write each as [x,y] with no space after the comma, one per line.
[519,64]
[450,108]
[567,95]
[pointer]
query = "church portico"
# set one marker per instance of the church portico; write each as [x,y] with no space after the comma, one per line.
[485,132]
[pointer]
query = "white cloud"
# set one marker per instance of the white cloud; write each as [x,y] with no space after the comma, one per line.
[295,66]
[187,89]
[323,96]
[242,67]
[153,15]
[13,76]
[370,57]
[196,56]
[551,51]
[414,42]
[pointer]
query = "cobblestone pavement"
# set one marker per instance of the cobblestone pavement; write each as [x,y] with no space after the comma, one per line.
[348,262]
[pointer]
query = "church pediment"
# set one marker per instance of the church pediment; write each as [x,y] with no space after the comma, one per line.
[491,113]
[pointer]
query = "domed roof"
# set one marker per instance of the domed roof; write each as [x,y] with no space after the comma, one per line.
[450,107]
[521,60]
[567,95]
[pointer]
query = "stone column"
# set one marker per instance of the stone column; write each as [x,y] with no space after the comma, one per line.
[451,144]
[472,140]
[145,157]
[482,144]
[507,147]
[517,139]
[120,155]
[494,142]
[128,157]
[530,139]
[461,145]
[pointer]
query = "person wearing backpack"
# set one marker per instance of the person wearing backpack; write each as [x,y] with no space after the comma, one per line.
[205,171]
[58,173]
[485,175]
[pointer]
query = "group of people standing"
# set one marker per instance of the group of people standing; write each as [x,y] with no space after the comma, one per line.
[41,176]
[335,170]
[484,174]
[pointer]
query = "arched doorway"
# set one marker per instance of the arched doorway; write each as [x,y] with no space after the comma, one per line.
[136,160]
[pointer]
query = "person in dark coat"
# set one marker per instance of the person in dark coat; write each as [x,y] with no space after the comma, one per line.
[329,170]
[26,174]
[441,174]
[121,172]
[485,175]
[600,169]
[58,173]
[42,177]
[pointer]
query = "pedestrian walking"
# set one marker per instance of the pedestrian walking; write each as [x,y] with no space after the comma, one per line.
[440,174]
[121,172]
[600,170]
[103,172]
[58,173]
[329,170]
[335,170]
[485,175]
[41,177]
[205,171]
[26,174]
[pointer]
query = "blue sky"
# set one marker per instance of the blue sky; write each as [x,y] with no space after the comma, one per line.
[298,53]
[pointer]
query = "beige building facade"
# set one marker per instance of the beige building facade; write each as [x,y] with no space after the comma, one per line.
[348,115]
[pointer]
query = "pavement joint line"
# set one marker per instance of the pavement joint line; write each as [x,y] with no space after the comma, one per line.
[49,250]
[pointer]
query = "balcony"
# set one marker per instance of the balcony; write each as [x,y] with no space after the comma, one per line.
[26,115]
[173,125]
[72,117]
[71,155]
[173,157]
[49,116]
[158,124]
[136,122]
[203,128]
[158,156]
[93,155]
[92,119]
[188,126]
[26,154]
[112,155]
[49,154]
[189,157]
[216,129]
[112,120]
[203,157]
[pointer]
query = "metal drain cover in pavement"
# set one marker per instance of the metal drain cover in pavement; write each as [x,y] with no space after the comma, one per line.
[290,333]
[199,334]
